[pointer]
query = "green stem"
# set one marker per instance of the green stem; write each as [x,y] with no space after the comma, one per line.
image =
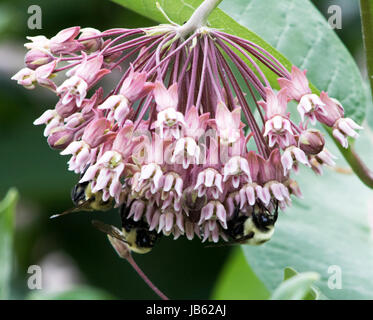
[199,17]
[366,10]
[355,162]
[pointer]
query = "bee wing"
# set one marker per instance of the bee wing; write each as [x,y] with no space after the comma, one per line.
[71,210]
[109,230]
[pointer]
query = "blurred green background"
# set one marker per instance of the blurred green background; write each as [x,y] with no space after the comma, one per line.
[68,249]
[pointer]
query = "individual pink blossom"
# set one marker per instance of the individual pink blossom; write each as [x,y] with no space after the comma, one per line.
[108,169]
[228,124]
[213,217]
[51,119]
[311,106]
[186,152]
[29,78]
[82,151]
[172,191]
[170,122]
[291,156]
[320,160]
[60,137]
[333,108]
[297,86]
[63,42]
[133,88]
[277,126]
[75,87]
[344,128]
[166,98]
[195,124]
[210,182]
[237,170]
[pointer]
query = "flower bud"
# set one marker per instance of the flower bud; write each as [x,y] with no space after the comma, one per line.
[60,138]
[311,141]
[91,45]
[66,110]
[36,58]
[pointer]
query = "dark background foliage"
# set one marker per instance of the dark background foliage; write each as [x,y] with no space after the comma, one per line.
[69,248]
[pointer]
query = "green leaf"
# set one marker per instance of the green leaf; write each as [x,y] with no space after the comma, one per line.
[328,231]
[296,287]
[7,210]
[78,293]
[296,29]
[238,282]
[313,294]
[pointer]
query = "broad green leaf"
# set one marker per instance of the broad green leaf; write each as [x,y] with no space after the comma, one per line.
[295,28]
[7,210]
[238,282]
[330,232]
[78,293]
[296,287]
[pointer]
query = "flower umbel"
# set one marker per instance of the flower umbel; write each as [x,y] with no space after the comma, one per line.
[170,140]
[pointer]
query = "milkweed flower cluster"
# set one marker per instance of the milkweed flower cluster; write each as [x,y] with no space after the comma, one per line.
[192,131]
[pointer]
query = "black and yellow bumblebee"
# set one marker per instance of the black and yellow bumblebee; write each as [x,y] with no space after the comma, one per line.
[85,200]
[135,234]
[254,229]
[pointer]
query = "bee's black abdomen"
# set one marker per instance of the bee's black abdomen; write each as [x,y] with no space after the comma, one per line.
[146,238]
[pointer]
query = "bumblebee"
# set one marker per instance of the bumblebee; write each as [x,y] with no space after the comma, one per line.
[135,234]
[85,200]
[255,229]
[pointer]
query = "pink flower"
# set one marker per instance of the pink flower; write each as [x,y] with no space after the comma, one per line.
[186,152]
[292,155]
[170,123]
[228,124]
[166,98]
[51,119]
[195,125]
[62,43]
[109,168]
[323,158]
[333,110]
[297,86]
[149,178]
[172,191]
[82,151]
[237,169]
[277,126]
[310,106]
[29,78]
[76,87]
[213,217]
[343,128]
[133,88]
[209,181]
